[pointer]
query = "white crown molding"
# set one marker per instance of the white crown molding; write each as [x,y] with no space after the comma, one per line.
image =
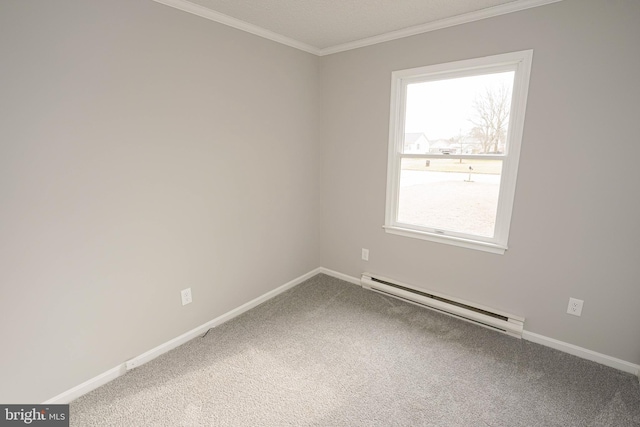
[490,12]
[212,15]
[196,9]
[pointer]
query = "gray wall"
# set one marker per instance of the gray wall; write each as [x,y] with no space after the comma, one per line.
[575,228]
[143,150]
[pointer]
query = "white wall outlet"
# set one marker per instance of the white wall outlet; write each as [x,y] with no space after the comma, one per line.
[365,254]
[186,296]
[575,306]
[130,364]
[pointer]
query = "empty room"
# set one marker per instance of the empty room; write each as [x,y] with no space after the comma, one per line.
[335,213]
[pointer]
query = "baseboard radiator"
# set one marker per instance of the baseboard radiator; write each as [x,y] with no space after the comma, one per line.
[480,315]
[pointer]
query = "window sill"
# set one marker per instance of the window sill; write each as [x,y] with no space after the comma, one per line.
[447,240]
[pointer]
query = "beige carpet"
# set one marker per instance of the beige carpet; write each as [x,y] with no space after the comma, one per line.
[328,353]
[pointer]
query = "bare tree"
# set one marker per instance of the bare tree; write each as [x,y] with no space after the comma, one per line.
[492,116]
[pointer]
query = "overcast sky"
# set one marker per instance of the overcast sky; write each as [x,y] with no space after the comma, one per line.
[442,109]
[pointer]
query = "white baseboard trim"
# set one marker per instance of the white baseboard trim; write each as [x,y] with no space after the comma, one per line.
[87,386]
[583,353]
[345,277]
[111,374]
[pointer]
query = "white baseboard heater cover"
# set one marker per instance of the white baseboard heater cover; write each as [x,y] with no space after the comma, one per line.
[474,313]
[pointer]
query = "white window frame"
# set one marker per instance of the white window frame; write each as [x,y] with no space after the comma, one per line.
[520,62]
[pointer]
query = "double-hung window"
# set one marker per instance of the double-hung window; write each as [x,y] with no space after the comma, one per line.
[454,147]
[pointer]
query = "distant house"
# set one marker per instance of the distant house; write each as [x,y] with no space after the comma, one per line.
[444,146]
[470,145]
[416,143]
[463,145]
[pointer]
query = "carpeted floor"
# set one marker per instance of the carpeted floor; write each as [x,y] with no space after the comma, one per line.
[327,353]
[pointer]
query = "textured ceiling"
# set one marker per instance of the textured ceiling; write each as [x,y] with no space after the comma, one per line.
[327,23]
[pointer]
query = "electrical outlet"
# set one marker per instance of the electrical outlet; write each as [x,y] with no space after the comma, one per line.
[365,254]
[130,364]
[575,306]
[186,296]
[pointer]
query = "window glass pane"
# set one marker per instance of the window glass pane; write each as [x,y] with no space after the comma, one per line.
[450,194]
[466,115]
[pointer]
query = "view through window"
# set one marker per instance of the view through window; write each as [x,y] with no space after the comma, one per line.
[468,115]
[453,154]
